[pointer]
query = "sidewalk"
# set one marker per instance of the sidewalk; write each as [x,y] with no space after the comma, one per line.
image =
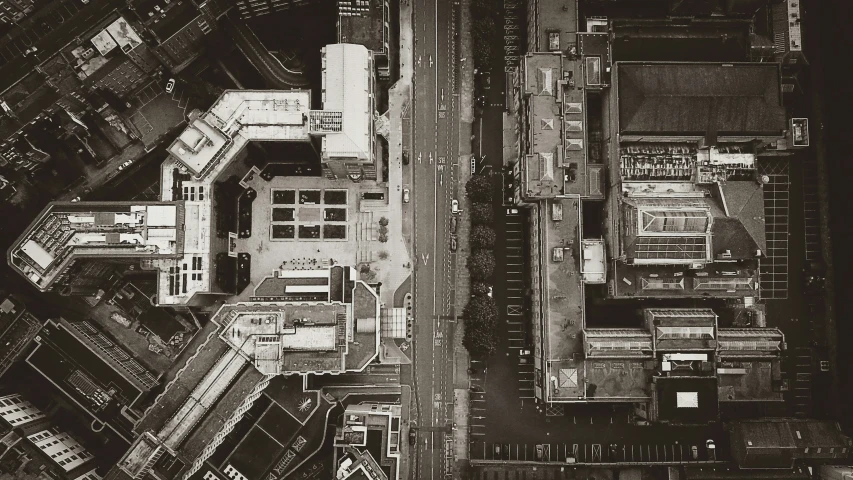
[400,234]
[461,411]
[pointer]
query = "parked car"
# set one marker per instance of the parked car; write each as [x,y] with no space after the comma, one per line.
[524,361]
[539,452]
[497,451]
[524,352]
[405,157]
[170,85]
[490,292]
[454,206]
[413,435]
[506,451]
[405,195]
[453,224]
[453,244]
[512,211]
[125,165]
[712,449]
[694,452]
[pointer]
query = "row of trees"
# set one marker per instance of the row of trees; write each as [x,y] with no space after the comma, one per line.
[484,14]
[481,313]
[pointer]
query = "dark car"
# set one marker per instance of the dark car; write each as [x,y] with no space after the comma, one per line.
[413,435]
[453,224]
[453,244]
[506,451]
[405,157]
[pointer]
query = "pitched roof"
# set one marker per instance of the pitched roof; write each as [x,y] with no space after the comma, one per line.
[698,98]
[742,231]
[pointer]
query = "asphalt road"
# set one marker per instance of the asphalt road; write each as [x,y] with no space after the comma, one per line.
[269,67]
[433,162]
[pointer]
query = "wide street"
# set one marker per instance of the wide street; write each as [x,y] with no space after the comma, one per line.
[433,159]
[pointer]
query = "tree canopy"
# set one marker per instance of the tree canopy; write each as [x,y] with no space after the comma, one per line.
[479,188]
[481,264]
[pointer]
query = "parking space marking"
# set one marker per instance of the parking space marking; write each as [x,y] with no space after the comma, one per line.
[774,271]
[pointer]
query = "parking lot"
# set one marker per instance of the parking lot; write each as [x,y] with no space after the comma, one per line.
[774,268]
[514,34]
[593,453]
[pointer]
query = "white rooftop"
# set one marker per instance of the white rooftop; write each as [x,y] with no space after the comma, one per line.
[346,88]
[238,117]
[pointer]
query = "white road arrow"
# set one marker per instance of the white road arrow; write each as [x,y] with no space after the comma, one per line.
[425,257]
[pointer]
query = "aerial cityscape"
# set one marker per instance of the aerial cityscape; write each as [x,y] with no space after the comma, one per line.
[425,240]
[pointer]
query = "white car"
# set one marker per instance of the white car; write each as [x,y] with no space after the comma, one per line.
[454,206]
[512,211]
[170,85]
[490,292]
[524,353]
[124,165]
[405,195]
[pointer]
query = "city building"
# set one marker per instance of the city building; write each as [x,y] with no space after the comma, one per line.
[255,8]
[368,24]
[97,375]
[552,153]
[115,59]
[309,328]
[685,210]
[13,11]
[779,443]
[346,123]
[180,238]
[70,246]
[787,34]
[18,328]
[551,26]
[65,456]
[18,411]
[176,29]
[367,445]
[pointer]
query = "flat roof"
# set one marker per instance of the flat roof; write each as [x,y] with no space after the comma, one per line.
[694,99]
[17,329]
[123,34]
[175,18]
[687,400]
[554,17]
[238,117]
[749,380]
[66,231]
[563,299]
[347,72]
[242,116]
[617,379]
[81,373]
[363,28]
[304,336]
